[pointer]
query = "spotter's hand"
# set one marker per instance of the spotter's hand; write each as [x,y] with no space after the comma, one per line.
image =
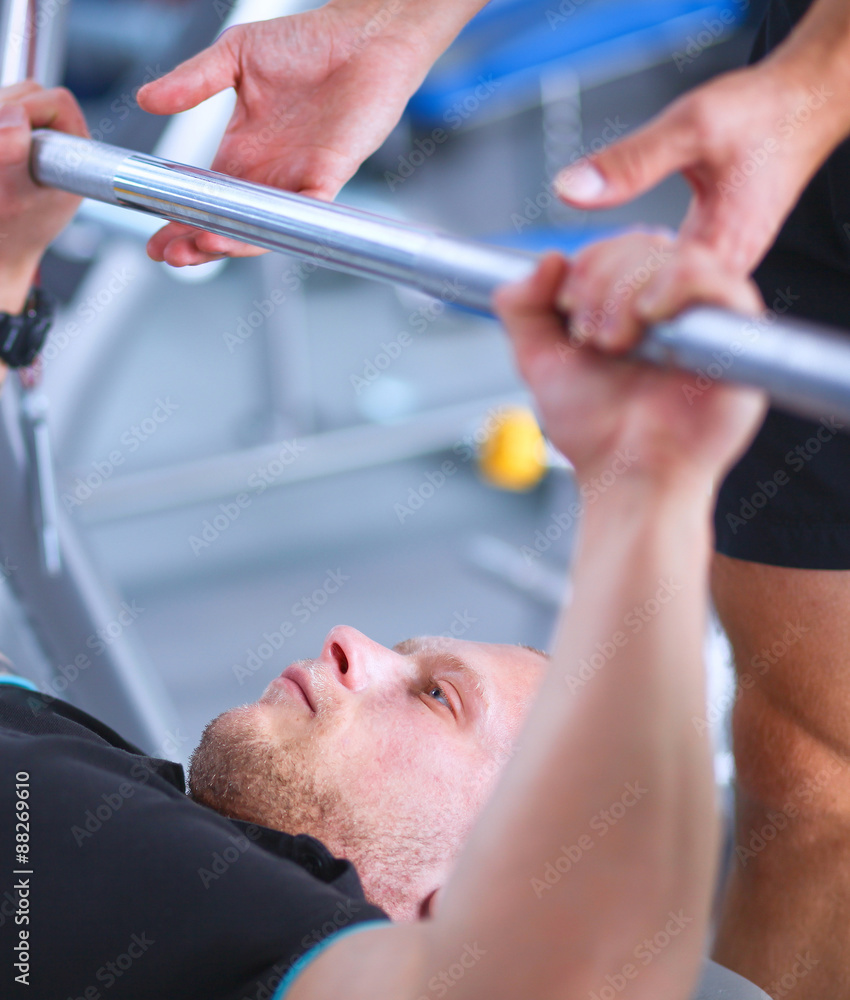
[317,93]
[747,143]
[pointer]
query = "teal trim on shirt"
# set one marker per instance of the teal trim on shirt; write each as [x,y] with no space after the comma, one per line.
[309,957]
[16,681]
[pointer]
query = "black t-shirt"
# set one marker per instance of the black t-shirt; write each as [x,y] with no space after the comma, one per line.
[812,250]
[132,891]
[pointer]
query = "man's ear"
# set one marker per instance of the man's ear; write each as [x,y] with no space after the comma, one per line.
[428,906]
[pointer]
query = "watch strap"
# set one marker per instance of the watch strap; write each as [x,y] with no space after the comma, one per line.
[23,336]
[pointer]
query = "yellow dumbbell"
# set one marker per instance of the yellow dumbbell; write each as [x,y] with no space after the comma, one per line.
[512,455]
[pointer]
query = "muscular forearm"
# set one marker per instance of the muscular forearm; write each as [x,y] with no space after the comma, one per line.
[554,886]
[816,57]
[821,41]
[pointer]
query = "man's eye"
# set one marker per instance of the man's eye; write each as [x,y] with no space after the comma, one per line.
[436,692]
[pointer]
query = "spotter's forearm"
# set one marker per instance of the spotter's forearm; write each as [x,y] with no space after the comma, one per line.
[427,26]
[816,58]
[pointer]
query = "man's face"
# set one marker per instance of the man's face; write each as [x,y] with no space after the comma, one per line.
[386,755]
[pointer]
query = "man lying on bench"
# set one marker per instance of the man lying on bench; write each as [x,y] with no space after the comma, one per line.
[494,823]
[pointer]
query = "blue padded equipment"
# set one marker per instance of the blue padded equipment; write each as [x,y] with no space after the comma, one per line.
[511,42]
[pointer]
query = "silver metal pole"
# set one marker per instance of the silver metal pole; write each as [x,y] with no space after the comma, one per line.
[344,239]
[17,36]
[32,40]
[64,600]
[805,369]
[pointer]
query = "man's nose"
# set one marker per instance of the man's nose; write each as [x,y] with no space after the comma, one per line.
[356,660]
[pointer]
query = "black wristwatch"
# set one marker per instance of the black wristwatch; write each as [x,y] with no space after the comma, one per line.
[23,336]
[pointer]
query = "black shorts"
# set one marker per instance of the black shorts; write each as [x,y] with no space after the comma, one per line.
[787,502]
